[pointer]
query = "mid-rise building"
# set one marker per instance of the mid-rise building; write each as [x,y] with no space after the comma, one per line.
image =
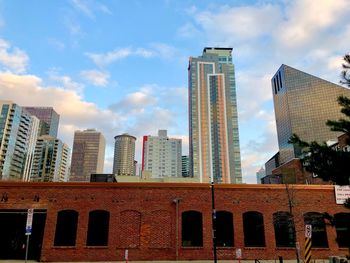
[214,139]
[124,155]
[161,155]
[51,159]
[88,155]
[15,130]
[260,174]
[49,117]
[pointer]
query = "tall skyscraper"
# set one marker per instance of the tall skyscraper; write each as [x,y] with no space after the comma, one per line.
[124,155]
[49,117]
[88,155]
[303,103]
[161,155]
[214,138]
[51,158]
[185,161]
[15,130]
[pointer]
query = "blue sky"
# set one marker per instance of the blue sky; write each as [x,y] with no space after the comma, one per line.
[121,66]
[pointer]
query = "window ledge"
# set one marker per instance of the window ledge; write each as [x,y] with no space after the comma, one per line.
[224,248]
[101,247]
[64,247]
[258,248]
[191,248]
[285,248]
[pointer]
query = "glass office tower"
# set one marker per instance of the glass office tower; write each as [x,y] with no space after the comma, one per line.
[213,120]
[303,103]
[49,117]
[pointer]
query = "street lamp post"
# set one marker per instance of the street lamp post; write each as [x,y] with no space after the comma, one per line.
[213,218]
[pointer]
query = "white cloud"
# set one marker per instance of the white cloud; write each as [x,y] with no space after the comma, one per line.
[66,82]
[13,58]
[104,59]
[57,44]
[96,77]
[89,7]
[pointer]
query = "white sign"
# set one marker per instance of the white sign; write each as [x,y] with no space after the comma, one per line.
[126,254]
[341,193]
[29,221]
[308,231]
[238,253]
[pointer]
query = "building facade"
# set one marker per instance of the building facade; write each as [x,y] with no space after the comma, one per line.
[260,174]
[49,117]
[15,130]
[124,155]
[88,155]
[213,121]
[303,103]
[161,155]
[51,160]
[168,222]
[185,161]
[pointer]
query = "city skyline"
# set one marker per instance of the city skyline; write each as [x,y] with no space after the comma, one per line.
[98,68]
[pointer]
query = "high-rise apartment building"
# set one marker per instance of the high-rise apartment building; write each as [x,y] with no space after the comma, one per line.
[214,138]
[15,130]
[49,117]
[161,155]
[124,155]
[303,103]
[51,160]
[88,155]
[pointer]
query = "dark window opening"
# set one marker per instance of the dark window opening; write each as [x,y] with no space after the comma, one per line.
[274,85]
[66,228]
[280,79]
[319,234]
[98,228]
[284,229]
[253,227]
[192,235]
[342,226]
[224,229]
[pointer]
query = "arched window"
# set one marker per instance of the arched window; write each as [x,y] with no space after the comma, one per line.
[130,220]
[192,230]
[66,228]
[160,236]
[284,229]
[98,228]
[224,229]
[319,234]
[253,227]
[342,226]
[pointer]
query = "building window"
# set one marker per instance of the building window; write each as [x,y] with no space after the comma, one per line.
[342,226]
[66,228]
[253,227]
[319,234]
[284,229]
[224,229]
[130,232]
[98,228]
[192,230]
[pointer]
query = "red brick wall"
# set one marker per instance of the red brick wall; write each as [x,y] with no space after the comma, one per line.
[143,217]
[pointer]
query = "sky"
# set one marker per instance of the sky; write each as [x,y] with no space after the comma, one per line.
[121,66]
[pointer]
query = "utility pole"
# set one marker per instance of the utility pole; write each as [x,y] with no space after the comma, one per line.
[213,218]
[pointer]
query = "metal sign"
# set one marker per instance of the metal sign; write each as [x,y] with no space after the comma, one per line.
[29,221]
[308,231]
[126,255]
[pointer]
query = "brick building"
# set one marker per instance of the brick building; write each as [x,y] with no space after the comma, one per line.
[163,221]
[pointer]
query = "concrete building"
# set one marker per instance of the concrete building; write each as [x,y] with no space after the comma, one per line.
[88,155]
[51,160]
[161,155]
[15,130]
[49,117]
[124,155]
[303,103]
[213,121]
